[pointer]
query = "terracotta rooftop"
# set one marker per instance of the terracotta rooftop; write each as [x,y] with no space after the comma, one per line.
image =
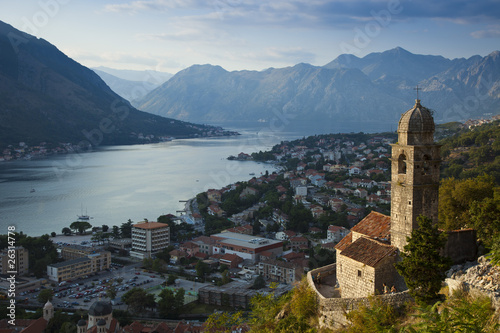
[335,228]
[231,257]
[374,225]
[150,225]
[344,242]
[368,251]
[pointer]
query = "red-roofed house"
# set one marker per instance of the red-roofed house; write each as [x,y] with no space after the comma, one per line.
[230,260]
[335,233]
[190,248]
[298,242]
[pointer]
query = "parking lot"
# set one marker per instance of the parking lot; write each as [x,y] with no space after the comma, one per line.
[82,293]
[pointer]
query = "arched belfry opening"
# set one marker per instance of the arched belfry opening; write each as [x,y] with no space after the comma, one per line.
[402,164]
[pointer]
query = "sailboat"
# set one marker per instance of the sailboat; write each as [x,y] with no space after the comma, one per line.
[83,217]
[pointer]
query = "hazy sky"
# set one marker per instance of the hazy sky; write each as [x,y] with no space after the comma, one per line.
[169,35]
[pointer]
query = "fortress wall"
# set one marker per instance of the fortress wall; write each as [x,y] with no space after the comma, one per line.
[332,311]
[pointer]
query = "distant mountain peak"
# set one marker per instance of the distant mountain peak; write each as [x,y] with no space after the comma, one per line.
[377,88]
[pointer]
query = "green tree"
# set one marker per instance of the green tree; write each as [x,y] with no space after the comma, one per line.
[457,196]
[377,316]
[80,226]
[105,228]
[485,218]
[53,234]
[66,231]
[147,263]
[165,253]
[171,279]
[297,311]
[111,292]
[259,282]
[45,295]
[126,229]
[494,254]
[422,267]
[223,321]
[158,265]
[116,231]
[137,299]
[170,302]
[461,313]
[202,269]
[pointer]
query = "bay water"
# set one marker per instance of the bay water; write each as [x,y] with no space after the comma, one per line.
[118,183]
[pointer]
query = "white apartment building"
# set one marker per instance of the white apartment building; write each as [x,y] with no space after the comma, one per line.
[149,238]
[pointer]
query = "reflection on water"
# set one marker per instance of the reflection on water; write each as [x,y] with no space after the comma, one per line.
[118,183]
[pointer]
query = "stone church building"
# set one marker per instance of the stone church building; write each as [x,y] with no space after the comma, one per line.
[366,256]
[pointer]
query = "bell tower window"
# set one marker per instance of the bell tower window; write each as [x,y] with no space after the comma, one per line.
[402,164]
[426,165]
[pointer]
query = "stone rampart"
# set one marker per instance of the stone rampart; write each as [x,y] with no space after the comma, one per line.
[332,311]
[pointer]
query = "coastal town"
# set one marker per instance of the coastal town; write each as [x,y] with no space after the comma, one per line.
[26,151]
[258,236]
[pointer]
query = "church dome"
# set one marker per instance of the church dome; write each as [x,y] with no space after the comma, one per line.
[100,308]
[416,125]
[417,119]
[101,322]
[81,322]
[48,305]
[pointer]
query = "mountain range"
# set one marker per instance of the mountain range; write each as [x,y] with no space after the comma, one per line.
[376,88]
[131,84]
[46,96]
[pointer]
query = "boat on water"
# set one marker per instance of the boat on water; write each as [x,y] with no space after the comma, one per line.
[84,217]
[32,190]
[252,173]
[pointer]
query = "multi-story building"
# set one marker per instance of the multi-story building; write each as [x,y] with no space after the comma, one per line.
[79,266]
[245,246]
[280,271]
[69,269]
[17,257]
[335,233]
[78,251]
[149,238]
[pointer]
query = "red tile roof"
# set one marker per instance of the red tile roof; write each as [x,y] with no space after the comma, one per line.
[150,225]
[344,242]
[374,225]
[335,228]
[37,326]
[368,251]
[231,257]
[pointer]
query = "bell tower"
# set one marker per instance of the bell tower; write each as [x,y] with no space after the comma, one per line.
[415,173]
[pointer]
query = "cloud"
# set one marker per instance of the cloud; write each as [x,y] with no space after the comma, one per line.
[282,56]
[148,5]
[491,32]
[113,58]
[316,13]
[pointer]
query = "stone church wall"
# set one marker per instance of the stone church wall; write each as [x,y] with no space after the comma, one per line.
[385,272]
[356,279]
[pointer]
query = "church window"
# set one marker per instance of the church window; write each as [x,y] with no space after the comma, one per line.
[409,202]
[402,164]
[359,273]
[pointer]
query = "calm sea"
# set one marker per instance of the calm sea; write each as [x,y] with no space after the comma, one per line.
[114,184]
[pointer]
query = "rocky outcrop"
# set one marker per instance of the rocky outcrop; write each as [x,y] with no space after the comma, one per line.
[478,276]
